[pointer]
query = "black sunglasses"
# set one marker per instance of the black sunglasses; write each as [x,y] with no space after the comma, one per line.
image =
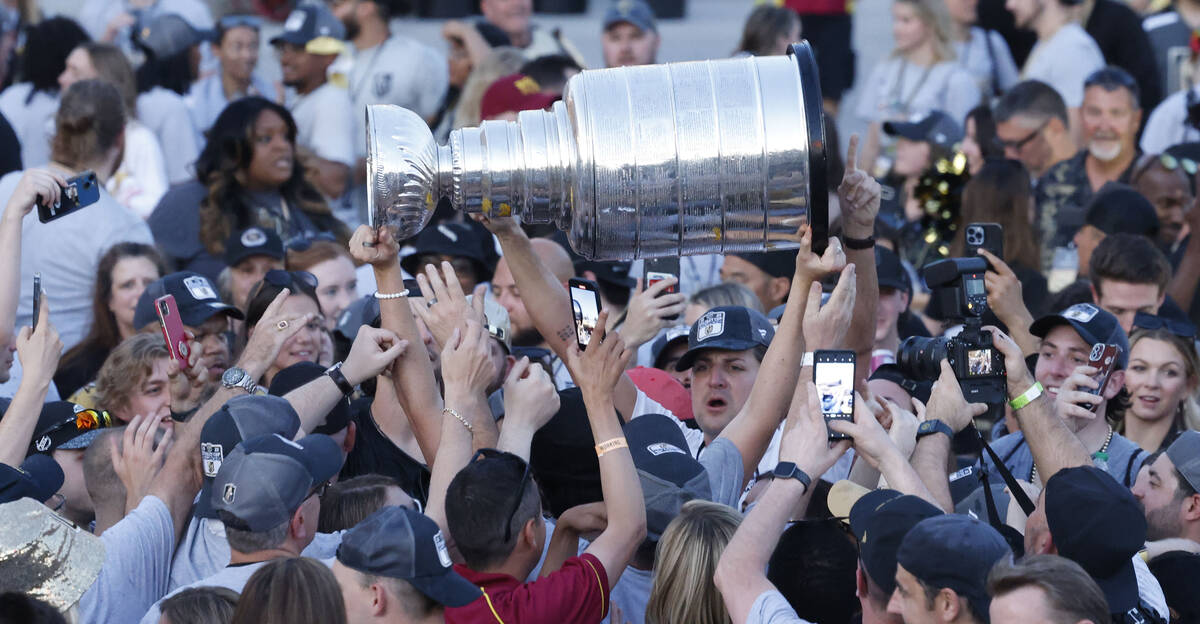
[488,453]
[288,279]
[1025,141]
[319,489]
[1110,77]
[1152,322]
[303,243]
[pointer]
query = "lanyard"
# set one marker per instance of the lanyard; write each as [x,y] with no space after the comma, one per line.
[356,85]
[897,90]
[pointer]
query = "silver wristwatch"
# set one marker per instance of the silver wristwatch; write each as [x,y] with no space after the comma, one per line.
[239,378]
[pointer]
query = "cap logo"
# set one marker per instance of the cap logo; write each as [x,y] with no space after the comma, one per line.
[295,21]
[448,233]
[1082,312]
[254,237]
[662,448]
[383,84]
[43,444]
[965,472]
[289,442]
[440,544]
[527,86]
[212,455]
[230,494]
[762,333]
[711,325]
[200,287]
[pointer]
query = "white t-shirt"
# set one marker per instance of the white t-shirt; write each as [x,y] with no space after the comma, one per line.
[987,58]
[772,608]
[166,114]
[137,562]
[32,118]
[324,124]
[399,71]
[141,180]
[1064,61]
[899,90]
[1167,124]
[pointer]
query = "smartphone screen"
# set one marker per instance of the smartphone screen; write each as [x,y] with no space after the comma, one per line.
[585,306]
[37,298]
[833,374]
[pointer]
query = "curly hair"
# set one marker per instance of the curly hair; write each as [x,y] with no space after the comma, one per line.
[227,155]
[126,367]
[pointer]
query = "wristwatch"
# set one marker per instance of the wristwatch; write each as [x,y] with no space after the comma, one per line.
[335,373]
[238,378]
[789,470]
[933,426]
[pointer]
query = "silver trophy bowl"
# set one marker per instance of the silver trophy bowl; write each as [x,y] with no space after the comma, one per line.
[635,162]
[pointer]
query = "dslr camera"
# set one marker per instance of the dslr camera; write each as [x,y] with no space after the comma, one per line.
[958,293]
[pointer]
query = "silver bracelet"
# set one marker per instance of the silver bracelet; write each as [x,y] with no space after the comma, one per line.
[462,420]
[399,295]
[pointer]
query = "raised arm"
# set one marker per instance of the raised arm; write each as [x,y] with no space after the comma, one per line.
[858,196]
[596,372]
[741,573]
[35,185]
[873,445]
[932,454]
[39,352]
[530,401]
[1004,298]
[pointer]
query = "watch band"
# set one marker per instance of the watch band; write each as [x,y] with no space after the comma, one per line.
[807,360]
[789,470]
[858,243]
[335,373]
[932,426]
[1028,396]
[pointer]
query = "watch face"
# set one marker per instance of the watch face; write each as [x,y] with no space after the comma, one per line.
[233,376]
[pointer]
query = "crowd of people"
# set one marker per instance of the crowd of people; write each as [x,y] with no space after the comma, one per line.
[353,428]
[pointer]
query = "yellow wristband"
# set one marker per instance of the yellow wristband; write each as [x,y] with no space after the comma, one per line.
[1028,396]
[610,445]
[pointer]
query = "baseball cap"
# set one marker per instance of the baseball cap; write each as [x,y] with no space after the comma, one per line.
[890,271]
[880,519]
[668,337]
[1184,452]
[669,475]
[954,551]
[315,28]
[265,479]
[301,373]
[773,263]
[615,273]
[400,543]
[1097,523]
[730,328]
[937,128]
[1093,323]
[457,240]
[635,12]
[38,477]
[362,311]
[45,555]
[498,323]
[241,418]
[1118,207]
[194,294]
[1177,572]
[916,389]
[170,34]
[67,426]
[514,93]
[253,241]
[663,389]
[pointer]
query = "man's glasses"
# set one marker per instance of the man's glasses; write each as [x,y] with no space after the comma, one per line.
[319,490]
[1153,322]
[288,279]
[487,453]
[304,243]
[1025,141]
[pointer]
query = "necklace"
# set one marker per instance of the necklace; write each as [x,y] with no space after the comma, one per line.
[1100,457]
[900,103]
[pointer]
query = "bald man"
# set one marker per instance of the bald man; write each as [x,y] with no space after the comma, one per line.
[504,288]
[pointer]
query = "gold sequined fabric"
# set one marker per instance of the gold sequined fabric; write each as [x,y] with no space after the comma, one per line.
[45,555]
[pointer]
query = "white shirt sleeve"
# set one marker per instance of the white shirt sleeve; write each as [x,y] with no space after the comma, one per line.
[333,135]
[1166,125]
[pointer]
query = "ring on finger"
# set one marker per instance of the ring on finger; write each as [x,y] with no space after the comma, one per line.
[281,325]
[432,301]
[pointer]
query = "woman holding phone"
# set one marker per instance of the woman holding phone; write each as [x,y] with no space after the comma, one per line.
[1161,379]
[305,345]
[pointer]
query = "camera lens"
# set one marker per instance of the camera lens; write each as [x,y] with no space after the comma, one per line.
[920,358]
[162,306]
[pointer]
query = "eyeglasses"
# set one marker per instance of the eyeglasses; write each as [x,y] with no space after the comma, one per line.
[1152,322]
[1170,163]
[319,490]
[287,279]
[487,453]
[1110,78]
[1025,141]
[304,243]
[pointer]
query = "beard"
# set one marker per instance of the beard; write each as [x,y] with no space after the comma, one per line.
[527,338]
[1163,522]
[1104,151]
[352,28]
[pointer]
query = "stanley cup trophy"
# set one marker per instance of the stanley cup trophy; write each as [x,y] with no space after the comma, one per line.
[635,162]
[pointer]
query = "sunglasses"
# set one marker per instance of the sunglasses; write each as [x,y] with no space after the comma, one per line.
[82,421]
[304,243]
[487,453]
[1170,163]
[288,279]
[319,490]
[1025,141]
[1152,322]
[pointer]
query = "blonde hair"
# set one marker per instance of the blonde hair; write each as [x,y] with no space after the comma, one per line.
[502,61]
[1187,416]
[936,17]
[125,368]
[683,589]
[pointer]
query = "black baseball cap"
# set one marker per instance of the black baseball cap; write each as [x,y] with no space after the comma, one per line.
[264,480]
[253,241]
[400,543]
[195,295]
[1097,523]
[1177,572]
[937,128]
[63,425]
[1093,323]
[729,328]
[917,389]
[954,551]
[241,418]
[890,270]
[299,374]
[880,520]
[669,475]
[668,337]
[315,28]
[612,272]
[1118,207]
[170,34]
[362,311]
[773,263]
[457,240]
[38,477]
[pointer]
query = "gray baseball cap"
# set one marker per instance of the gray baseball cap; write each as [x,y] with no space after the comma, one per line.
[669,475]
[266,479]
[635,12]
[1184,452]
[400,543]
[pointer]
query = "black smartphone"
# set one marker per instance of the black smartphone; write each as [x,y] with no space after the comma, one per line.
[989,236]
[37,298]
[833,374]
[585,309]
[81,190]
[657,269]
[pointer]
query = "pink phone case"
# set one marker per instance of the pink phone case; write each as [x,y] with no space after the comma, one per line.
[172,328]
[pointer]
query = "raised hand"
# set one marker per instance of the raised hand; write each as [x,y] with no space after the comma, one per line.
[187,381]
[273,329]
[39,349]
[811,267]
[35,185]
[446,307]
[1019,376]
[806,443]
[858,195]
[137,459]
[871,442]
[1004,292]
[500,225]
[373,351]
[649,310]
[467,367]
[947,404]
[529,396]
[825,326]
[597,370]
[1073,398]
[375,247]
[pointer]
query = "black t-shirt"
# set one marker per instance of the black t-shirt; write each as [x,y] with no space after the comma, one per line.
[375,453]
[80,371]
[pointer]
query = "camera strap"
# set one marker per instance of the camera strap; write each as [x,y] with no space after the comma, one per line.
[1018,492]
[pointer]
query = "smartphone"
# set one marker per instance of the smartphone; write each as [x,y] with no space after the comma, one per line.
[833,374]
[81,190]
[585,308]
[989,236]
[37,298]
[1103,358]
[658,269]
[172,328]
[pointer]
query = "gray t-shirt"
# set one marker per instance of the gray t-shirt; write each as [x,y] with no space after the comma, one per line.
[987,58]
[899,90]
[230,577]
[32,118]
[1064,61]
[772,608]
[137,562]
[166,114]
[1124,459]
[631,594]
